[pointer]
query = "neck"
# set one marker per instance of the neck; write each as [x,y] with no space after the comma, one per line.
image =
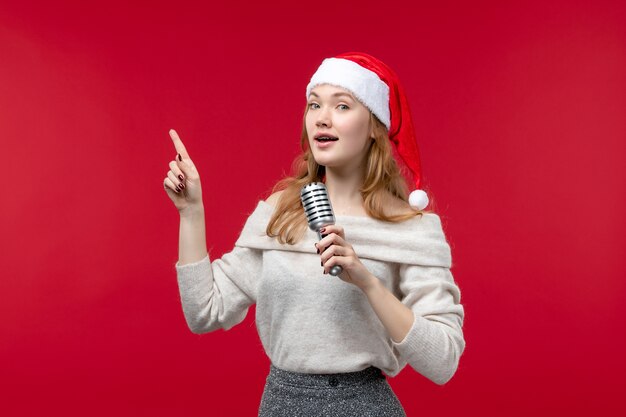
[343,190]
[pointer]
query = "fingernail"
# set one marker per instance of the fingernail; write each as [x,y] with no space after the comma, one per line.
[322,230]
[179,157]
[321,263]
[180,177]
[177,189]
[182,186]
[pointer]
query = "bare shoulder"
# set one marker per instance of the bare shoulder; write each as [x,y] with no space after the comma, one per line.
[273,199]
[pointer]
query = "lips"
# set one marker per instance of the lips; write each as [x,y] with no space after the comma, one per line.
[323,137]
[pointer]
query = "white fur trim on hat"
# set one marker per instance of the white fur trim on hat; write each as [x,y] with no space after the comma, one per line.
[418,199]
[366,86]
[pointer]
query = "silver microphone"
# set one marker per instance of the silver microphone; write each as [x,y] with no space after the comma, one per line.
[319,212]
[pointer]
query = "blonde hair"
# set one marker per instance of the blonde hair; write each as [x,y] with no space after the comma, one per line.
[382,178]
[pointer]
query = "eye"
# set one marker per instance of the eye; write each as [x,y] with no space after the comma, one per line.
[312,104]
[344,105]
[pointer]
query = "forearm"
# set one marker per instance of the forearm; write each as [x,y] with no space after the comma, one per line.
[192,236]
[395,316]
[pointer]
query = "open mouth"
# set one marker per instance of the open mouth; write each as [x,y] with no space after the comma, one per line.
[326,139]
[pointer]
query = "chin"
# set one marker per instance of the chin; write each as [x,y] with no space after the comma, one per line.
[327,163]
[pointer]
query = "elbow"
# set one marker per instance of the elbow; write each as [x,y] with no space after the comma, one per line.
[196,329]
[448,363]
[204,321]
[433,349]
[200,323]
[444,375]
[447,371]
[201,328]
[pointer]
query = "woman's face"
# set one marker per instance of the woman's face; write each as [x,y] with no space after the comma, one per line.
[334,111]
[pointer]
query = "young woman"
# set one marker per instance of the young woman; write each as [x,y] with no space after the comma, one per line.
[329,339]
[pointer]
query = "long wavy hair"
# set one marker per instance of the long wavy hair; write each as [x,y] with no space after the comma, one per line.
[382,178]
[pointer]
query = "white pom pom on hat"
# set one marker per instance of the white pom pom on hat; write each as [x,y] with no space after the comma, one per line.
[376,85]
[418,199]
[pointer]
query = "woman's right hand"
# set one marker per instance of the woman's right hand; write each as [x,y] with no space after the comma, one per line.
[182,183]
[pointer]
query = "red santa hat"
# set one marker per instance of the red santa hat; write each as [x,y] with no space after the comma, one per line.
[375,85]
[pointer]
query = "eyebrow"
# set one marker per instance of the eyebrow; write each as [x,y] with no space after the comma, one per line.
[335,95]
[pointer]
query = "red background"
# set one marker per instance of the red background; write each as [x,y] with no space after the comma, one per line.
[519,111]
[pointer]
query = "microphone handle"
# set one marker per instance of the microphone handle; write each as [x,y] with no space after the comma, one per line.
[336,269]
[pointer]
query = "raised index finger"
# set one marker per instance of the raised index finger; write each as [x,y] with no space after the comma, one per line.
[178,144]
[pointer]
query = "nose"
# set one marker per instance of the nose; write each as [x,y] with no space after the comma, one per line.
[322,118]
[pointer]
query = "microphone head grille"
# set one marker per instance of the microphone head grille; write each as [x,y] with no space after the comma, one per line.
[316,204]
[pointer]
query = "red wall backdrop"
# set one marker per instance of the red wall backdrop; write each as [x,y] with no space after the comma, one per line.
[519,110]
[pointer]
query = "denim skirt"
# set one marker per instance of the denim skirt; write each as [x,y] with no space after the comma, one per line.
[362,393]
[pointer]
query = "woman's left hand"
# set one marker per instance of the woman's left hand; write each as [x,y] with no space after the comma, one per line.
[340,252]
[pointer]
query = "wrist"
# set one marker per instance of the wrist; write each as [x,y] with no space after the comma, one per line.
[192,211]
[371,285]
